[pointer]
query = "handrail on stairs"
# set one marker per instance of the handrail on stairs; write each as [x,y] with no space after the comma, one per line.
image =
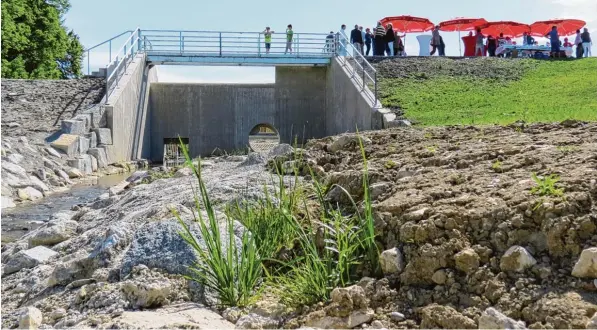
[109,42]
[361,71]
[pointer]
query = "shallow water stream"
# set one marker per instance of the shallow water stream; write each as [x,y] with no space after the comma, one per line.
[19,220]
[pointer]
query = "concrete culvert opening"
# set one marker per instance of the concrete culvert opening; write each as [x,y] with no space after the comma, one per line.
[263,138]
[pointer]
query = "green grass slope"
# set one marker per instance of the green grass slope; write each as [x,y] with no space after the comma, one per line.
[441,91]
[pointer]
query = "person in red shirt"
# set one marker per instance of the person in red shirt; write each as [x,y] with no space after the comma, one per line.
[567,43]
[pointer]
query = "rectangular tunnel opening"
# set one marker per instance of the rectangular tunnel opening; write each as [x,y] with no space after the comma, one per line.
[173,153]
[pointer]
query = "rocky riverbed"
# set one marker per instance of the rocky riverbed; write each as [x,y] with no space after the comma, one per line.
[467,240]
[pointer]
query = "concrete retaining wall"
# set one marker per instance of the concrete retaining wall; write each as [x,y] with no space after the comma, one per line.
[211,116]
[126,115]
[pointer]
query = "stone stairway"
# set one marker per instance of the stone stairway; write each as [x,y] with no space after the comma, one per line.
[84,139]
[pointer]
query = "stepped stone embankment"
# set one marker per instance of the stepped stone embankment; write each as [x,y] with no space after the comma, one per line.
[52,134]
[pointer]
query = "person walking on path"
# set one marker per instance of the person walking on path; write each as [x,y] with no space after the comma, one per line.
[289,37]
[578,44]
[380,35]
[435,40]
[554,39]
[268,39]
[479,47]
[389,39]
[356,38]
[368,38]
[586,42]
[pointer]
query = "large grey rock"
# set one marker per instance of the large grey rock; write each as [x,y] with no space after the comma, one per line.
[7,202]
[586,265]
[41,174]
[63,175]
[138,176]
[254,158]
[516,259]
[67,143]
[29,193]
[162,239]
[282,149]
[104,135]
[74,173]
[82,163]
[93,163]
[30,318]
[97,116]
[52,152]
[255,321]
[84,117]
[392,261]
[15,158]
[493,319]
[83,144]
[348,142]
[100,155]
[118,188]
[182,172]
[72,126]
[38,184]
[28,259]
[53,233]
[14,169]
[70,268]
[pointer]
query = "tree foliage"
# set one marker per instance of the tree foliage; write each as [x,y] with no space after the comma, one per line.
[35,43]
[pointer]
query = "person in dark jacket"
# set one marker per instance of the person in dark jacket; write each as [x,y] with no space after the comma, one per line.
[368,38]
[389,39]
[380,34]
[356,38]
[442,47]
[491,45]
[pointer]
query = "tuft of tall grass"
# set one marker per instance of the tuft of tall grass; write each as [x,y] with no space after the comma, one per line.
[232,271]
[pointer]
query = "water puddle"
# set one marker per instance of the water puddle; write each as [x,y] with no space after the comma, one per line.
[25,217]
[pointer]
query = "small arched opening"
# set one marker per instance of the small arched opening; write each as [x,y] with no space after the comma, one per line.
[263,138]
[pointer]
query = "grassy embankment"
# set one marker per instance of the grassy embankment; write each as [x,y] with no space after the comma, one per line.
[490,91]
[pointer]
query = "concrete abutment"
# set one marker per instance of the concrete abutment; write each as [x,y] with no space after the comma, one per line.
[303,103]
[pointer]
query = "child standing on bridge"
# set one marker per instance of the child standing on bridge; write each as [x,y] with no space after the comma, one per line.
[268,39]
[289,35]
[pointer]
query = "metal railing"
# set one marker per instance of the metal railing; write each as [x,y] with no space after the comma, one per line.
[235,44]
[109,42]
[119,63]
[239,44]
[360,70]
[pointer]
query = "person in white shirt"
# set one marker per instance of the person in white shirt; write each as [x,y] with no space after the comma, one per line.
[578,44]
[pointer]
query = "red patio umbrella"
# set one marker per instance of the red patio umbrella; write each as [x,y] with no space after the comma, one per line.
[508,28]
[566,27]
[408,24]
[461,24]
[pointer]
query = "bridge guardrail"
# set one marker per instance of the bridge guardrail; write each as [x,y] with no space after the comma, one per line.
[210,43]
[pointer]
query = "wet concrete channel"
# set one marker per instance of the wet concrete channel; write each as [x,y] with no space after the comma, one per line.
[25,217]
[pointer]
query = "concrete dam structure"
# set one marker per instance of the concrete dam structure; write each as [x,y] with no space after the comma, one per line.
[315,94]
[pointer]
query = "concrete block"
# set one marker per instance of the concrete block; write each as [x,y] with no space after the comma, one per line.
[28,259]
[67,143]
[85,117]
[82,163]
[92,139]
[83,144]
[100,155]
[88,162]
[104,135]
[93,163]
[97,116]
[72,126]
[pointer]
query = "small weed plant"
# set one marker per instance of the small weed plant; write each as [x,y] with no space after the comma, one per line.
[497,166]
[390,164]
[546,186]
[567,149]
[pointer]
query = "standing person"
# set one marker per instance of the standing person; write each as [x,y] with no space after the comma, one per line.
[268,39]
[330,43]
[442,47]
[479,47]
[380,34]
[342,41]
[389,40]
[363,37]
[491,45]
[578,43]
[554,38]
[586,42]
[356,38]
[435,40]
[289,36]
[399,46]
[368,38]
